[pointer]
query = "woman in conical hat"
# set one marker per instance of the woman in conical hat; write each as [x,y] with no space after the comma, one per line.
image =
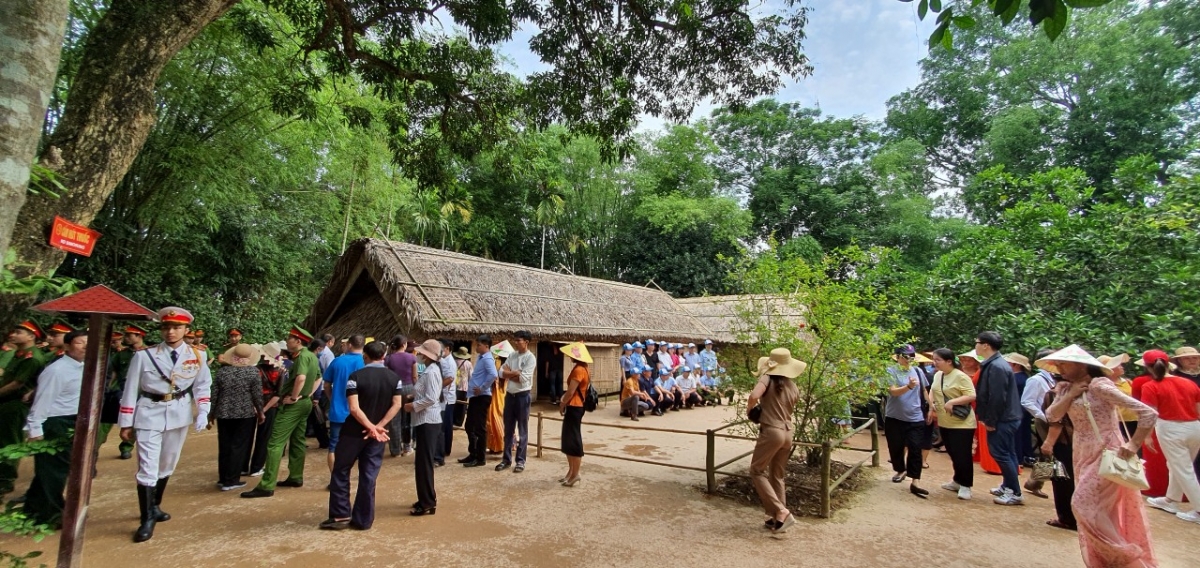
[1111,518]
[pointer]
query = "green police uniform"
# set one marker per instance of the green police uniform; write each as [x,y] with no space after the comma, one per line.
[119,367]
[290,423]
[23,368]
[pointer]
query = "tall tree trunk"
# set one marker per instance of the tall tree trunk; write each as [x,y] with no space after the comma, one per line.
[31,36]
[109,114]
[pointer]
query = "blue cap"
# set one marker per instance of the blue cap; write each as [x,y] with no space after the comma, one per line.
[627,347]
[650,342]
[708,342]
[646,369]
[690,345]
[665,372]
[638,345]
[686,369]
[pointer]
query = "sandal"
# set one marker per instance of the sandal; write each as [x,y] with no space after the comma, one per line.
[1060,525]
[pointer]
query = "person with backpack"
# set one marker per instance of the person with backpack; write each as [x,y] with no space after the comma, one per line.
[572,408]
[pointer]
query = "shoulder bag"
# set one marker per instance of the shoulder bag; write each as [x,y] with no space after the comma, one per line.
[959,411]
[1125,472]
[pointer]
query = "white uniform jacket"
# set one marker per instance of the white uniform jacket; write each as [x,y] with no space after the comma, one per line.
[190,370]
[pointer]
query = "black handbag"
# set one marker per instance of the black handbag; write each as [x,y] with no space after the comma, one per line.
[959,411]
[755,414]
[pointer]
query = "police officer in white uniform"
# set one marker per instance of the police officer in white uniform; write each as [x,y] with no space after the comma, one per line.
[163,384]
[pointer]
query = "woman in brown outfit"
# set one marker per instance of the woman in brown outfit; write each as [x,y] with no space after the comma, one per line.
[776,395]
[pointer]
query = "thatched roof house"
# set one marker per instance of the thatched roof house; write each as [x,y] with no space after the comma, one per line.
[723,314]
[383,287]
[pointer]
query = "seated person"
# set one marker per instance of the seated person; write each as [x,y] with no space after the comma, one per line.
[646,385]
[634,402]
[708,389]
[665,387]
[685,387]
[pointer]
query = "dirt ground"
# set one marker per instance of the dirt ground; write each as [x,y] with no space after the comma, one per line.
[621,514]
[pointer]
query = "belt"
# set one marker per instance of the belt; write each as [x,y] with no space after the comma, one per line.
[156,397]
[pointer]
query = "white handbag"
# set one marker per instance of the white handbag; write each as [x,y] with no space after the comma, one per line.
[1128,473]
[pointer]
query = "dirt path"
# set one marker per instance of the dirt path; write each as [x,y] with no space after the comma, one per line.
[622,513]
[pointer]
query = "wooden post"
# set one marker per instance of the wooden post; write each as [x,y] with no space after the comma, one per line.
[825,478]
[83,447]
[539,435]
[710,461]
[874,443]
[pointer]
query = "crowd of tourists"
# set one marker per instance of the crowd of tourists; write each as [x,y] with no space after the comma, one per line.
[664,377]
[266,398]
[1071,419]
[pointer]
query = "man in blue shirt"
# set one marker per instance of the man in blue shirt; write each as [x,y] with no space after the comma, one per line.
[692,357]
[479,402]
[336,375]
[665,387]
[646,383]
[708,357]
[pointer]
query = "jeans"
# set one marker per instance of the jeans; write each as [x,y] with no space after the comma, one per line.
[516,418]
[368,454]
[1002,443]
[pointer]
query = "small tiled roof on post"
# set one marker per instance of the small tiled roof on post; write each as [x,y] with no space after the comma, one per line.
[99,299]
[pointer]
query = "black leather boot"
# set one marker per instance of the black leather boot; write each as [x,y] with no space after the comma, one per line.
[146,502]
[159,489]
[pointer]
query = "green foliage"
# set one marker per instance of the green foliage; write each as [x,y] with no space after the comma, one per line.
[1057,268]
[13,519]
[1121,82]
[846,335]
[1051,15]
[40,287]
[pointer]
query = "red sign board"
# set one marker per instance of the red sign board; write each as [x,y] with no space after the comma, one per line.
[74,238]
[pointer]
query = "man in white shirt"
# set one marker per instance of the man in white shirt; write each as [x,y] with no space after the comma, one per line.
[518,371]
[51,417]
[449,399]
[687,386]
[1032,398]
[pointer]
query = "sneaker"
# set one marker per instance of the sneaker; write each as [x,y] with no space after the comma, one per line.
[257,473]
[520,468]
[1190,516]
[952,486]
[964,493]
[1164,504]
[1009,499]
[237,485]
[998,491]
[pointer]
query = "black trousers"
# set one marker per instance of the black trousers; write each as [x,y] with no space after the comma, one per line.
[477,415]
[44,500]
[262,435]
[445,443]
[399,432]
[1064,489]
[234,436]
[691,400]
[426,438]
[905,436]
[664,402]
[958,442]
[368,454]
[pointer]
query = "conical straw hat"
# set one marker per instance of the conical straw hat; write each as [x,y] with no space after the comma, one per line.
[1070,354]
[577,351]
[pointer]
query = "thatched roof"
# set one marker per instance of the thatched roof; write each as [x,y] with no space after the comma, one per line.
[721,313]
[383,287]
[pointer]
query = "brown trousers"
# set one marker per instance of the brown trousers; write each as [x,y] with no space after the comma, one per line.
[768,466]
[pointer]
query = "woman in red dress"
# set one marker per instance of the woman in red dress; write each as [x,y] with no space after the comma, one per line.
[1156,462]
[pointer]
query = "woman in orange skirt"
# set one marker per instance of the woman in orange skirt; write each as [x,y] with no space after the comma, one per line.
[495,423]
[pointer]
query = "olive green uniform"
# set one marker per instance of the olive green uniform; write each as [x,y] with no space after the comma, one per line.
[290,423]
[23,368]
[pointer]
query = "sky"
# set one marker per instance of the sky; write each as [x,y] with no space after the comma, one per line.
[863,51]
